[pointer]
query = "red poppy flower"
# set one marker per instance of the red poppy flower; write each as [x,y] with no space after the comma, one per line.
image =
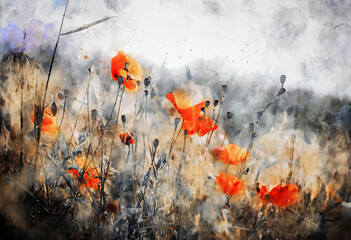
[90,175]
[126,138]
[49,124]
[229,184]
[231,153]
[118,69]
[281,196]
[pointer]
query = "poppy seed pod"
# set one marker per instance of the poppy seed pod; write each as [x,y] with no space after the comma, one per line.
[282,79]
[147,81]
[224,89]
[229,115]
[94,114]
[259,114]
[66,92]
[216,102]
[120,80]
[124,119]
[54,108]
[156,142]
[176,121]
[146,92]
[152,92]
[138,83]
[185,132]
[281,91]
[60,96]
[207,103]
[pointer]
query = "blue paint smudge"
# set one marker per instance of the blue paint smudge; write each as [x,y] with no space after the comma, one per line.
[36,37]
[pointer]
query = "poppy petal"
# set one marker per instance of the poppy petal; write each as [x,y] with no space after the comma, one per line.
[281,196]
[229,184]
[192,113]
[118,69]
[236,154]
[206,125]
[221,153]
[180,101]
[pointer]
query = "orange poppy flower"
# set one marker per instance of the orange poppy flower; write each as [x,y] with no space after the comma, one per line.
[193,121]
[231,153]
[201,126]
[49,124]
[126,138]
[183,105]
[90,174]
[281,196]
[118,69]
[229,184]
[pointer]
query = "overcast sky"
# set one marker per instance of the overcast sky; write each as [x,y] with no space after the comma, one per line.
[309,41]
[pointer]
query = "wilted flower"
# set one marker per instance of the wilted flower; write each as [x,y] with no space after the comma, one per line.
[229,184]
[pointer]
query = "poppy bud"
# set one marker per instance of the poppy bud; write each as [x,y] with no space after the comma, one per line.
[282,79]
[188,74]
[124,119]
[94,114]
[147,81]
[251,126]
[229,115]
[281,91]
[224,89]
[138,83]
[66,92]
[60,96]
[54,108]
[207,103]
[152,93]
[156,142]
[120,80]
[237,132]
[146,93]
[216,102]
[176,121]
